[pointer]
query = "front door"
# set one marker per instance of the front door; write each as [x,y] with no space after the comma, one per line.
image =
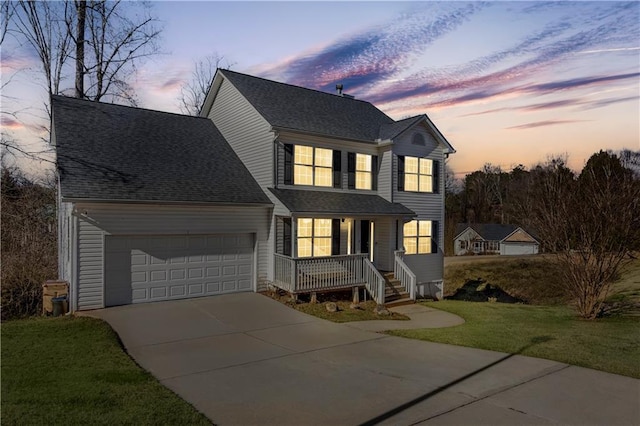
[365,225]
[366,238]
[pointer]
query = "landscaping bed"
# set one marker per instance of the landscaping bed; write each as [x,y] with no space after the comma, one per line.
[346,312]
[73,370]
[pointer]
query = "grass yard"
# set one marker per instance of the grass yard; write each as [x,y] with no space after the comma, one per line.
[73,371]
[553,332]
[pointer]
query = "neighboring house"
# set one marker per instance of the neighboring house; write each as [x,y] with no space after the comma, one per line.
[273,185]
[491,238]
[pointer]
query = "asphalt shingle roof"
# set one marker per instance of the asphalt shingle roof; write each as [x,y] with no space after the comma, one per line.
[488,231]
[391,130]
[305,201]
[297,108]
[113,152]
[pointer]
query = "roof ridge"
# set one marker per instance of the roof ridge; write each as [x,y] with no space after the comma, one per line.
[74,99]
[304,88]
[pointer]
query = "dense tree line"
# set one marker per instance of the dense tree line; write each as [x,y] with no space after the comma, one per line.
[589,220]
[29,242]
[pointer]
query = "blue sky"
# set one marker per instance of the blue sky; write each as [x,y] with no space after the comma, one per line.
[506,82]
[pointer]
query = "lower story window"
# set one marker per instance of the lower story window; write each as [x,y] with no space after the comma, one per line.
[314,237]
[417,237]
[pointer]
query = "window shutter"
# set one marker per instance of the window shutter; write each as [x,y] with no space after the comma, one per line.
[286,236]
[335,237]
[400,172]
[436,176]
[288,164]
[434,236]
[351,169]
[337,169]
[374,172]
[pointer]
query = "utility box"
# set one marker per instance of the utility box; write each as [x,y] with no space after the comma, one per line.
[51,289]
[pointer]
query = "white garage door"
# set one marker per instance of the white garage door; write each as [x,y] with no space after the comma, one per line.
[514,249]
[152,268]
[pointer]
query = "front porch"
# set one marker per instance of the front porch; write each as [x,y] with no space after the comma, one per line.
[331,273]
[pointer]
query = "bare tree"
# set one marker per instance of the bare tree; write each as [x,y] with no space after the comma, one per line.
[592,223]
[81,13]
[119,36]
[43,26]
[6,12]
[194,91]
[118,40]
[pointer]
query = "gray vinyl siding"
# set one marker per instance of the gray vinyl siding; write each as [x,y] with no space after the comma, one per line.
[428,206]
[385,175]
[65,235]
[427,267]
[247,132]
[384,244]
[90,266]
[131,219]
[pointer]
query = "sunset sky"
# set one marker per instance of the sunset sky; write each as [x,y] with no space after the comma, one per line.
[506,82]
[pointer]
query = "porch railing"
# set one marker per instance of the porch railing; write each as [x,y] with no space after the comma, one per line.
[374,281]
[402,273]
[306,275]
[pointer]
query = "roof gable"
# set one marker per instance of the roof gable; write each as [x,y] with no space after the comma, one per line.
[394,130]
[117,153]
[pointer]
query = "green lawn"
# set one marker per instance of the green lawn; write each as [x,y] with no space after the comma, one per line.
[554,332]
[74,371]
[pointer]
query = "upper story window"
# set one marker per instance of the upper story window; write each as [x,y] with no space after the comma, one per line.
[312,166]
[363,170]
[419,237]
[417,174]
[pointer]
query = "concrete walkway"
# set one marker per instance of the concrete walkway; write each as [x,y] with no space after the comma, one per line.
[245,359]
[420,316]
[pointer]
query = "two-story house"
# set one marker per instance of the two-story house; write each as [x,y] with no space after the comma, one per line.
[317,191]
[345,179]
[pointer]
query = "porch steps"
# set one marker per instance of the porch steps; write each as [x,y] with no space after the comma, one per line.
[395,294]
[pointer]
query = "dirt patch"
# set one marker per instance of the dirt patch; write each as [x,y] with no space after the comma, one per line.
[478,291]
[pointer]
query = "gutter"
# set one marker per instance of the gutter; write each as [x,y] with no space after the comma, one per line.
[163,203]
[323,135]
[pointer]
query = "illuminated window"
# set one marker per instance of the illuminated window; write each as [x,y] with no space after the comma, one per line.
[312,166]
[418,174]
[363,171]
[314,237]
[417,237]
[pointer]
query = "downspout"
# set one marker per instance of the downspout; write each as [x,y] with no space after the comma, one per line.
[275,158]
[74,262]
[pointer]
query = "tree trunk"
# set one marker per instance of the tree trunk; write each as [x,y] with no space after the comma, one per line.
[81,7]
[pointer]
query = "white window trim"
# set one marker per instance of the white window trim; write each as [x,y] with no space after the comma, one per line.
[418,174]
[313,166]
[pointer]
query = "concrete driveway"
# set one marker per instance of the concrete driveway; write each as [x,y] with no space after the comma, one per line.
[245,359]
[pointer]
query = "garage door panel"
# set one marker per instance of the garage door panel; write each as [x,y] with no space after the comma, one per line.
[145,269]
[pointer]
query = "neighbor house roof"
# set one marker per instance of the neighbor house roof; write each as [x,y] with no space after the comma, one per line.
[489,231]
[304,201]
[297,108]
[110,152]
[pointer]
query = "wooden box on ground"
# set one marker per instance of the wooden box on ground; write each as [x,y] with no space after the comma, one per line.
[51,289]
